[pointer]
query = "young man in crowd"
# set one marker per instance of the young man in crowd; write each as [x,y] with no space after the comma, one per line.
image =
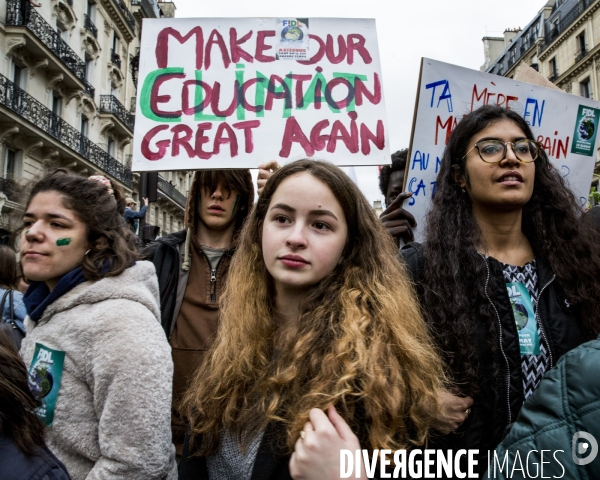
[131,216]
[192,267]
[395,219]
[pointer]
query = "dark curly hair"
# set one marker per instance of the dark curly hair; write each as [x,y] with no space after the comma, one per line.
[398,165]
[102,215]
[454,297]
[18,420]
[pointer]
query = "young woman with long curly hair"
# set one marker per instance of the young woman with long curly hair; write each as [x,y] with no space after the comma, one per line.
[318,317]
[508,276]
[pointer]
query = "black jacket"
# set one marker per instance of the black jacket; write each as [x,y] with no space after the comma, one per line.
[15,465]
[500,399]
[165,255]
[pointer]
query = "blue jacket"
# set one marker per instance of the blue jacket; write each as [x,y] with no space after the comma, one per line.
[15,465]
[19,309]
[566,402]
[131,217]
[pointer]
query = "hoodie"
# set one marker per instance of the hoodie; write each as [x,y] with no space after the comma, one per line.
[111,419]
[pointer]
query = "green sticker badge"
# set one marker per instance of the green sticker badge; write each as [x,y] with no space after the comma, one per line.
[45,374]
[586,129]
[63,242]
[529,340]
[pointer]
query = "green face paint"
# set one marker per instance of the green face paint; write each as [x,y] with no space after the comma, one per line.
[237,199]
[26,232]
[63,242]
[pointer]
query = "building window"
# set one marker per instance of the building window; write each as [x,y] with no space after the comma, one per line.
[12,163]
[156,215]
[85,124]
[89,70]
[57,105]
[110,147]
[170,223]
[584,88]
[9,163]
[581,46]
[553,69]
[164,222]
[18,76]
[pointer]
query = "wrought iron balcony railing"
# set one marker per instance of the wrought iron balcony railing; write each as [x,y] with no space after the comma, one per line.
[581,53]
[89,25]
[40,116]
[171,191]
[110,104]
[148,7]
[115,58]
[21,14]
[91,91]
[126,13]
[553,76]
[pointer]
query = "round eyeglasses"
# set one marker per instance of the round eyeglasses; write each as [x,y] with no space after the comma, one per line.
[494,151]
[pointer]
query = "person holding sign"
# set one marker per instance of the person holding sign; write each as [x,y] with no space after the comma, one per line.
[98,359]
[397,221]
[192,266]
[508,276]
[321,346]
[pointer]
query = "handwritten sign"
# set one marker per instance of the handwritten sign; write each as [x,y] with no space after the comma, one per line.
[565,125]
[234,93]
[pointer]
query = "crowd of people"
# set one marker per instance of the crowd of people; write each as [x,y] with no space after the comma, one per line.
[268,336]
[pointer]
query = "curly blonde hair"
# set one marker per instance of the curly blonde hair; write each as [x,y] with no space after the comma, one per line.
[360,342]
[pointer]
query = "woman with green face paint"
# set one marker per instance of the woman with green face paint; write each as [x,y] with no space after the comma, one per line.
[90,301]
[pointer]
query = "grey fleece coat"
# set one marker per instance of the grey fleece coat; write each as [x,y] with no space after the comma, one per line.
[113,413]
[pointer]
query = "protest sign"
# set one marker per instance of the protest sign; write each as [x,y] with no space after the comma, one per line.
[566,126]
[236,92]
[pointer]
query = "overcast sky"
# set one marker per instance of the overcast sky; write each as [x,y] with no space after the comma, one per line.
[449,31]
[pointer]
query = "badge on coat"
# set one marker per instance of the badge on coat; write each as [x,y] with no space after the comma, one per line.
[45,374]
[520,299]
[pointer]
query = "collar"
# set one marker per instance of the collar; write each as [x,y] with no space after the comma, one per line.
[38,296]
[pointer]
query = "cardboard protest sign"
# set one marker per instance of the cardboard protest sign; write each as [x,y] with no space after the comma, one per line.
[236,92]
[566,126]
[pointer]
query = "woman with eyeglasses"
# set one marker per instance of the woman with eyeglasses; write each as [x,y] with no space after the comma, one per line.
[508,277]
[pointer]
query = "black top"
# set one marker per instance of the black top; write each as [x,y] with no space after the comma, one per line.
[500,398]
[15,465]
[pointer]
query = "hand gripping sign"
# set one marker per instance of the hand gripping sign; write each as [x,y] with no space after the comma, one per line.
[234,93]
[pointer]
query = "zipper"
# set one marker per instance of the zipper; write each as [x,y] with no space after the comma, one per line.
[501,336]
[213,277]
[539,320]
[213,283]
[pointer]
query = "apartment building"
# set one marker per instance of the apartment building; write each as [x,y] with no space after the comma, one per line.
[562,42]
[68,75]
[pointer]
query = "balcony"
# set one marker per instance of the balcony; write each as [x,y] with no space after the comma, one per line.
[42,118]
[24,26]
[89,26]
[122,17]
[109,104]
[566,19]
[115,58]
[170,190]
[581,54]
[148,8]
[89,89]
[553,76]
